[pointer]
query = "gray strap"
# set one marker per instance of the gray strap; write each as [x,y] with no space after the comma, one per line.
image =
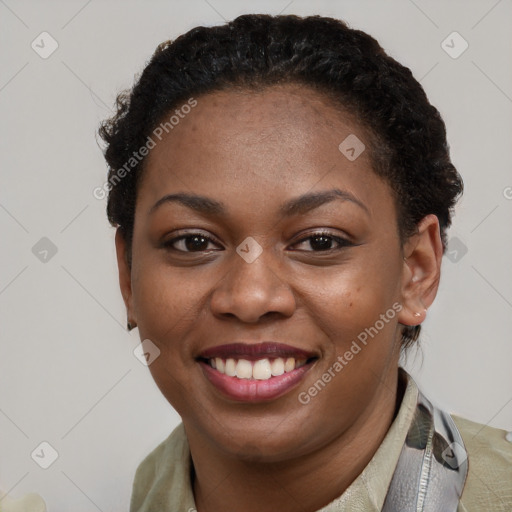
[432,468]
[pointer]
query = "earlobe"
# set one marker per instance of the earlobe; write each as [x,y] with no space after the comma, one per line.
[421,271]
[125,280]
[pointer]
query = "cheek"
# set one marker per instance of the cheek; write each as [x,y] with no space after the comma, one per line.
[167,304]
[358,318]
[348,300]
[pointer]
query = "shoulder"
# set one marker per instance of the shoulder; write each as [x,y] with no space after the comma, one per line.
[162,473]
[489,481]
[171,449]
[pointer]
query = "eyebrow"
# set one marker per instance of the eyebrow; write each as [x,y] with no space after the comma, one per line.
[296,206]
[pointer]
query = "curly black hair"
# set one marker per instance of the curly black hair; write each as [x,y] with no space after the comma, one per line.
[407,143]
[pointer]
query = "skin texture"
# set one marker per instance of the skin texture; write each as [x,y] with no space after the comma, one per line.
[254,151]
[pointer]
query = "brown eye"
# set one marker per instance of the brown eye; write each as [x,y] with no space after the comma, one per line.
[322,241]
[194,242]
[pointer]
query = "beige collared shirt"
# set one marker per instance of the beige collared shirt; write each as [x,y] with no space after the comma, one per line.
[162,481]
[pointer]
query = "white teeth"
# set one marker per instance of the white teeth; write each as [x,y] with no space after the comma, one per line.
[261,370]
[277,366]
[230,368]
[289,364]
[219,363]
[244,369]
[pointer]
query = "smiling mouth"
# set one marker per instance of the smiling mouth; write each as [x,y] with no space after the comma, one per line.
[255,372]
[260,369]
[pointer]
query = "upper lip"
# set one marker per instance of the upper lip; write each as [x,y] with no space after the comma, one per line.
[254,351]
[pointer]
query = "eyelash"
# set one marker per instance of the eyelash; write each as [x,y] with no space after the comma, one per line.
[342,242]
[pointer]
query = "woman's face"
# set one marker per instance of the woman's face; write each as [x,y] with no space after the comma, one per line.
[290,249]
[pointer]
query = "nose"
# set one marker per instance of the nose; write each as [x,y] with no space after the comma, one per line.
[249,291]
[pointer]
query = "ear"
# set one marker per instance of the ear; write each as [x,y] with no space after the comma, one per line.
[423,253]
[125,277]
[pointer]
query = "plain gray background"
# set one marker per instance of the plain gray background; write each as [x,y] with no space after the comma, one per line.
[68,375]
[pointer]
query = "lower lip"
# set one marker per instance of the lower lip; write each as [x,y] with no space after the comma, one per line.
[253,390]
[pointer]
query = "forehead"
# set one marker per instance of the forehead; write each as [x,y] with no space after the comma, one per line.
[295,114]
[273,141]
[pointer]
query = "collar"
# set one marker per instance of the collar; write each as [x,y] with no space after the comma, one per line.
[420,464]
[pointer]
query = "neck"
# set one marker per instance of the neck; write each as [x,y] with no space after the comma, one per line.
[304,484]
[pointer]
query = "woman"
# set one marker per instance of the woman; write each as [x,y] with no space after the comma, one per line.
[282,190]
